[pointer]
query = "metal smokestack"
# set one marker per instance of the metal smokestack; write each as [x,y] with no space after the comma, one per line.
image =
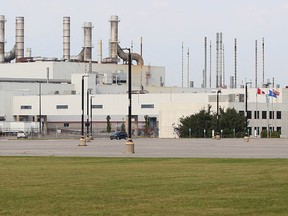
[2,38]
[256,64]
[87,41]
[28,52]
[66,38]
[217,60]
[205,63]
[114,37]
[19,38]
[99,51]
[235,63]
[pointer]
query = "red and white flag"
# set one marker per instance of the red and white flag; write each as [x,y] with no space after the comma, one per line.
[260,92]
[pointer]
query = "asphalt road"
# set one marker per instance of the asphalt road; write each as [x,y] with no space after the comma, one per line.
[148,147]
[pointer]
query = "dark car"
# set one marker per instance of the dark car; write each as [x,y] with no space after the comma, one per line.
[118,135]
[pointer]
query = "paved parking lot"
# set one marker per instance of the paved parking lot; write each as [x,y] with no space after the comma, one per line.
[149,147]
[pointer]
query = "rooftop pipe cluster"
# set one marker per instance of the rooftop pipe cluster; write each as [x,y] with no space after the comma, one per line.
[85,55]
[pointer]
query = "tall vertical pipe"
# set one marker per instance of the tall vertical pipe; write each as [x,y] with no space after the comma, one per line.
[87,41]
[256,64]
[210,76]
[235,62]
[220,60]
[19,38]
[66,38]
[223,67]
[263,74]
[28,52]
[99,51]
[182,63]
[188,69]
[2,38]
[205,63]
[114,37]
[217,60]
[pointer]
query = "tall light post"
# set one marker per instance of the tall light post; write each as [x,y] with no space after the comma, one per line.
[246,107]
[129,143]
[40,111]
[91,116]
[217,116]
[82,139]
[87,121]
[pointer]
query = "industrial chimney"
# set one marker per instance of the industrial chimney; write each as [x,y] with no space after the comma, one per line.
[2,38]
[66,38]
[19,38]
[114,37]
[87,41]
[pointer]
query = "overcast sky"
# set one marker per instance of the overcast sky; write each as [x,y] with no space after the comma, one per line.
[164,24]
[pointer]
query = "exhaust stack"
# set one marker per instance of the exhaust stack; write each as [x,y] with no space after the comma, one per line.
[19,38]
[99,51]
[66,38]
[87,41]
[2,38]
[114,37]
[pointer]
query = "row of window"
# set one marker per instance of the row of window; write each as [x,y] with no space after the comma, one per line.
[264,114]
[94,106]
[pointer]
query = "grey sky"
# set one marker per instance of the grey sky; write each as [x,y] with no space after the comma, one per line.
[164,24]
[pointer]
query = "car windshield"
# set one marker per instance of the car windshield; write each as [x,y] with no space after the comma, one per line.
[115,133]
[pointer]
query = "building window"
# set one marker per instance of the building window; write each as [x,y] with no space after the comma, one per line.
[264,115]
[61,106]
[147,106]
[66,125]
[278,114]
[278,129]
[271,115]
[96,106]
[26,107]
[249,114]
[256,114]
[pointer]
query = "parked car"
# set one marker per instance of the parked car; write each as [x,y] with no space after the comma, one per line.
[21,134]
[119,135]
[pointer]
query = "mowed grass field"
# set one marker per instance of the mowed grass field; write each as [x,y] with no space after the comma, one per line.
[138,186]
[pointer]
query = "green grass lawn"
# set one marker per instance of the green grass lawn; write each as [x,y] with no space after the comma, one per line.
[137,186]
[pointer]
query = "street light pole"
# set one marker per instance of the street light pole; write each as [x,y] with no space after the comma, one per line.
[129,143]
[82,139]
[217,124]
[40,111]
[91,115]
[87,122]
[246,107]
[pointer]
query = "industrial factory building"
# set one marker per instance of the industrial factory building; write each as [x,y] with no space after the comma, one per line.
[46,93]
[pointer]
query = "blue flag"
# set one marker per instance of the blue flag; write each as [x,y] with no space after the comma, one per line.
[272,94]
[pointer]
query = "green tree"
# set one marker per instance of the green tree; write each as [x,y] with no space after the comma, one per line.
[108,128]
[195,124]
[146,126]
[206,120]
[231,120]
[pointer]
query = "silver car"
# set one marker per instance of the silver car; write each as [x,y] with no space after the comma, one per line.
[22,134]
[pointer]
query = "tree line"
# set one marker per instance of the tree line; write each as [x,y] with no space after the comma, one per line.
[230,124]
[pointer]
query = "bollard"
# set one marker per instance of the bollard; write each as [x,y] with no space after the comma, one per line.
[87,138]
[246,138]
[129,147]
[82,142]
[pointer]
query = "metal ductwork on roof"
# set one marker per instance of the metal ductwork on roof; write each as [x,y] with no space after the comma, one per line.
[134,56]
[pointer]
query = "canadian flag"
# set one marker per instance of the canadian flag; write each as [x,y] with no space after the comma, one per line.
[260,92]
